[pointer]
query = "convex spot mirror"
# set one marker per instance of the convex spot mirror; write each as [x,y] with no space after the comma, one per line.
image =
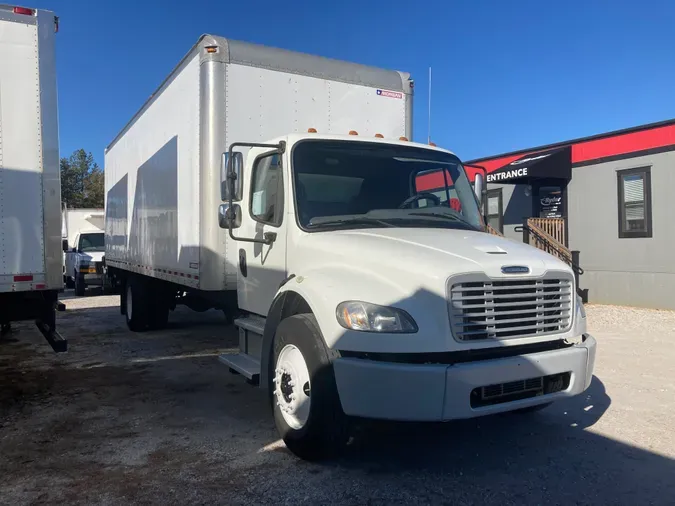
[229,217]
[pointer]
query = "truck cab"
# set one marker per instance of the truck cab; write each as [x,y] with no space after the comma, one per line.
[362,297]
[84,260]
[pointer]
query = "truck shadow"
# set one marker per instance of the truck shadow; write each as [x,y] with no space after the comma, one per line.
[527,458]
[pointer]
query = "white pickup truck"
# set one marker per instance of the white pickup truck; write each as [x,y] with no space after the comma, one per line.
[84,261]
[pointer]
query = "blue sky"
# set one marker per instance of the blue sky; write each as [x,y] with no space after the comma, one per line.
[506,74]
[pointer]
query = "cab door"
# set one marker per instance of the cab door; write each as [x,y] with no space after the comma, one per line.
[262,266]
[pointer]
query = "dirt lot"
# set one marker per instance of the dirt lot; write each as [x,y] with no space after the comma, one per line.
[155,419]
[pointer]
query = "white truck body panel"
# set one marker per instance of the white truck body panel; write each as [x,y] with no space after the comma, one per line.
[163,170]
[80,220]
[30,239]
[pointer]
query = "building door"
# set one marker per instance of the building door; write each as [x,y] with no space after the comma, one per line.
[549,202]
[495,213]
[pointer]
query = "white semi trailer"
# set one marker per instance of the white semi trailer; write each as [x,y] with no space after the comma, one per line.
[30,189]
[282,186]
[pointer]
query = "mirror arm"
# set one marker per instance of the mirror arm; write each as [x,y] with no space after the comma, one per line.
[269,237]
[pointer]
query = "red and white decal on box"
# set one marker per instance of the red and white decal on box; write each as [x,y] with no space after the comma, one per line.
[390,94]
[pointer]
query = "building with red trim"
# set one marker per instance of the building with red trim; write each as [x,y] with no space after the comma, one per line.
[614,192]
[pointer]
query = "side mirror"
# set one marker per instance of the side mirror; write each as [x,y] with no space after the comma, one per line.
[478,187]
[64,245]
[229,217]
[230,176]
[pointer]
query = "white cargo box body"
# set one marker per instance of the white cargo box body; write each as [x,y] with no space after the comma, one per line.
[75,220]
[30,193]
[162,172]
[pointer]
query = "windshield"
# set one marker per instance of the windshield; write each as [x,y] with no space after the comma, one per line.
[342,184]
[91,242]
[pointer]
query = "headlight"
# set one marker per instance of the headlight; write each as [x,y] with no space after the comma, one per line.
[366,317]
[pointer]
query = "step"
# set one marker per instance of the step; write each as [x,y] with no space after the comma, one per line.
[242,363]
[255,324]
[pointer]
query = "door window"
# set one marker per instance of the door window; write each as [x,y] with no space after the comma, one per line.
[267,190]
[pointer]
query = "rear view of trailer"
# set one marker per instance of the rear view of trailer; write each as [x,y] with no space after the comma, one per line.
[163,171]
[30,214]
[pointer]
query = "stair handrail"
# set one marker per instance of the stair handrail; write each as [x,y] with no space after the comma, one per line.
[563,252]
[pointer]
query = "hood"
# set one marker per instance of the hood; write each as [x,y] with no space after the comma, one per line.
[432,254]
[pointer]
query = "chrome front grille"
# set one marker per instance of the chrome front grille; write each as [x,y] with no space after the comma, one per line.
[507,308]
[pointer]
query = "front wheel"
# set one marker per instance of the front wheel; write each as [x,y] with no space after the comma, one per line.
[306,405]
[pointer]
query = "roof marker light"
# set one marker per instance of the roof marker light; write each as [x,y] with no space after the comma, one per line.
[353,132]
[405,139]
[379,136]
[432,144]
[311,130]
[211,49]
[24,10]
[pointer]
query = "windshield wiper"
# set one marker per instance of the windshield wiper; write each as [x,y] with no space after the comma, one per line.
[327,221]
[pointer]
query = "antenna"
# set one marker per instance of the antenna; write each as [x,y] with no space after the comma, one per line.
[429,113]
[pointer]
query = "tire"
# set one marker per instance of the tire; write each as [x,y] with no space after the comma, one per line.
[80,285]
[532,409]
[318,429]
[136,313]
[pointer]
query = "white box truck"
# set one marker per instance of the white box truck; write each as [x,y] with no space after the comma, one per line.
[238,185]
[83,245]
[30,189]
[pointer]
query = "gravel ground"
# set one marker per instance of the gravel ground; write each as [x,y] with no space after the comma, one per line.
[155,419]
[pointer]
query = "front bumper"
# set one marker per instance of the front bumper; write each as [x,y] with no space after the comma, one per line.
[438,392]
[93,279]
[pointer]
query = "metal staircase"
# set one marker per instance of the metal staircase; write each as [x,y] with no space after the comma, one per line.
[548,234]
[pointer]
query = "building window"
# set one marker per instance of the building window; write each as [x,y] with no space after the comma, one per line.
[495,212]
[635,202]
[267,190]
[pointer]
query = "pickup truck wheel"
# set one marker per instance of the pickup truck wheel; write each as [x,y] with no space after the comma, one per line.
[306,405]
[136,313]
[80,285]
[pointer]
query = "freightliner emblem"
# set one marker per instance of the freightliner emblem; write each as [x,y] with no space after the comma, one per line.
[515,269]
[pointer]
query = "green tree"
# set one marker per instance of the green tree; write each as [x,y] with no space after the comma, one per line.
[81,181]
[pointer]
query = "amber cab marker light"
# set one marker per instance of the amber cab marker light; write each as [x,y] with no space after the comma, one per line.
[353,132]
[311,130]
[405,139]
[379,136]
[211,49]
[432,144]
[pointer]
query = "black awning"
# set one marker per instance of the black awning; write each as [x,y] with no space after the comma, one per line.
[553,163]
